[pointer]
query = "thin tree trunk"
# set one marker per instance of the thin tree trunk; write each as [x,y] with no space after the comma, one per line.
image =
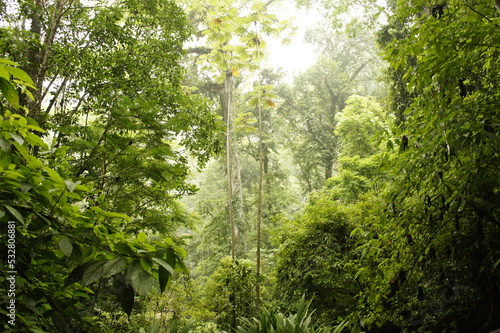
[328,169]
[228,90]
[259,198]
[239,189]
[39,56]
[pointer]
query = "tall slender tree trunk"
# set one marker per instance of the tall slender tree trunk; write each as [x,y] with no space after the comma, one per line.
[228,92]
[238,187]
[259,198]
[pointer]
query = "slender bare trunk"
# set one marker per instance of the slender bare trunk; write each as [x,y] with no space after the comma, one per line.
[239,188]
[259,199]
[328,169]
[228,87]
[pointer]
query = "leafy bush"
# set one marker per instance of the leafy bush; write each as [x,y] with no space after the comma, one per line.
[61,245]
[271,322]
[230,292]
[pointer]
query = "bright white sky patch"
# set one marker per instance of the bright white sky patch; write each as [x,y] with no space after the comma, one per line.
[298,55]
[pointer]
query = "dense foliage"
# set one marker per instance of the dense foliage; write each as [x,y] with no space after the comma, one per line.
[444,216]
[426,257]
[94,198]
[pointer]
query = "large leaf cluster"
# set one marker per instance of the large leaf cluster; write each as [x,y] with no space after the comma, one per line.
[276,322]
[109,88]
[62,248]
[230,292]
[312,259]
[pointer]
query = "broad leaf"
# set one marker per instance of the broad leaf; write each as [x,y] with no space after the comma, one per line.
[139,278]
[124,293]
[93,273]
[113,266]
[15,213]
[164,264]
[66,246]
[9,92]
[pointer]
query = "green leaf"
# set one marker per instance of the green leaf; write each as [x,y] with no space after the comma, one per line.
[390,145]
[124,293]
[9,62]
[171,257]
[141,237]
[20,74]
[4,74]
[96,209]
[116,215]
[15,213]
[164,264]
[156,326]
[182,267]
[123,248]
[66,246]
[54,176]
[34,140]
[70,185]
[4,145]
[77,274]
[113,267]
[93,273]
[59,321]
[9,92]
[17,138]
[163,278]
[139,278]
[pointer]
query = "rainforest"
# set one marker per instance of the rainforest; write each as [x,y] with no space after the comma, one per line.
[164,169]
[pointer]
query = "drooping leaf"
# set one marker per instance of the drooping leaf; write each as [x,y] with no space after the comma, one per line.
[140,280]
[54,176]
[93,273]
[17,138]
[165,265]
[20,74]
[9,92]
[66,246]
[124,293]
[15,213]
[76,274]
[4,74]
[164,277]
[4,145]
[113,267]
[9,62]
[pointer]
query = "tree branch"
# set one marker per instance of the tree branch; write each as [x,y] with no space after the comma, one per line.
[199,50]
[356,73]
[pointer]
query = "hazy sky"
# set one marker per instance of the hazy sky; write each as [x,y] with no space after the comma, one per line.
[298,55]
